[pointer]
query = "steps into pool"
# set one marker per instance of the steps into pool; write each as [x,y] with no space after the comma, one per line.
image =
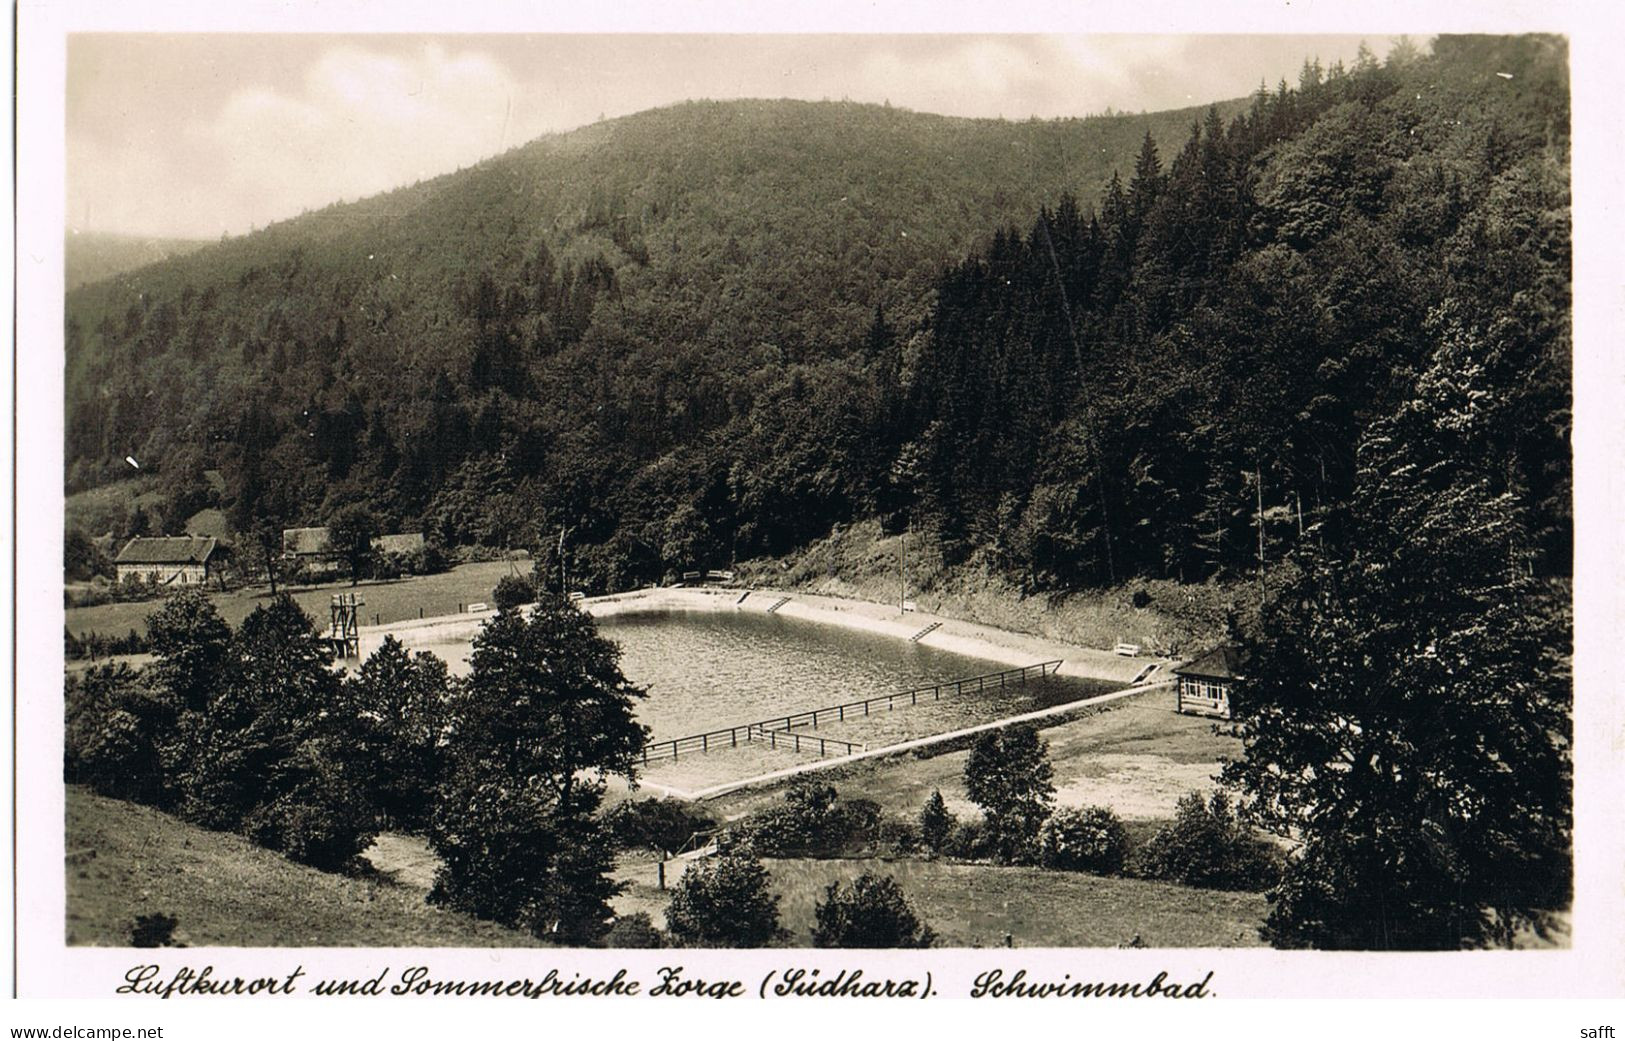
[923,633]
[780,602]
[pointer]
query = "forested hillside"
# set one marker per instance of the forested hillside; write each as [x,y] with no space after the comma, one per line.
[557,332]
[715,330]
[1177,382]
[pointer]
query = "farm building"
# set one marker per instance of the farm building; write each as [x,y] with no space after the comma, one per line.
[315,545]
[185,560]
[1207,682]
[402,544]
[307,543]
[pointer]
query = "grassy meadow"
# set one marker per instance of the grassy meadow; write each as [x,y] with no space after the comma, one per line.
[976,905]
[125,860]
[390,601]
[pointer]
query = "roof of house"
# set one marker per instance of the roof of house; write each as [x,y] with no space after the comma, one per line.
[306,541]
[1221,663]
[404,543]
[184,549]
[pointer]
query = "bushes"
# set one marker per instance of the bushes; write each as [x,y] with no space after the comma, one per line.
[512,591]
[812,822]
[871,913]
[1091,839]
[725,902]
[319,817]
[799,827]
[429,560]
[634,932]
[95,645]
[661,824]
[971,840]
[1207,846]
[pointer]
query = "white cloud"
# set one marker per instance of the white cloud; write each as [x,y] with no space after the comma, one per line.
[979,76]
[361,122]
[133,187]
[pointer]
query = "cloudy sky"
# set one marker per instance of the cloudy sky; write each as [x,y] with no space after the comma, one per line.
[195,135]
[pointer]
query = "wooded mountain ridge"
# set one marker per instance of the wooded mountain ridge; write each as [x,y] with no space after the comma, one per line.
[716,329]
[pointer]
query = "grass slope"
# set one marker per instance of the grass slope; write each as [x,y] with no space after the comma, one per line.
[126,860]
[387,601]
[103,509]
[975,905]
[858,561]
[972,905]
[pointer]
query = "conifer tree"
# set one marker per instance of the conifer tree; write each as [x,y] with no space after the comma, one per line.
[544,716]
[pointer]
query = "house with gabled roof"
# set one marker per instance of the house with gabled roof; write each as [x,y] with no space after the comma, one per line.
[1206,683]
[308,544]
[184,560]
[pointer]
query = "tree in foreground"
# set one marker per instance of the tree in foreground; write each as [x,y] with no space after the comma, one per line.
[724,902]
[544,716]
[395,707]
[871,913]
[266,757]
[1008,776]
[1408,717]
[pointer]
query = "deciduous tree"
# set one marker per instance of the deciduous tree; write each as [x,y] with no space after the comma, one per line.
[1008,776]
[1408,714]
[871,913]
[724,902]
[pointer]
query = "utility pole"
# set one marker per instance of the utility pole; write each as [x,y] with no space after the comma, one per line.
[564,585]
[902,573]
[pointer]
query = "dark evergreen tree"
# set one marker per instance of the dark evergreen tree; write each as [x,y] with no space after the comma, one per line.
[544,715]
[395,709]
[936,823]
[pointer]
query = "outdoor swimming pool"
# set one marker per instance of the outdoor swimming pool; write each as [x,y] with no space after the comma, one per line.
[708,670]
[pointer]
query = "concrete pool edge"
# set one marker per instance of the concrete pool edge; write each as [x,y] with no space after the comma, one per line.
[972,639]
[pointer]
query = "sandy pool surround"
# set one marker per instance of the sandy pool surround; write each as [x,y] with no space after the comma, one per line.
[967,638]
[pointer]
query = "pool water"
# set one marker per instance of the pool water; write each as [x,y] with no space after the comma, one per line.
[709,670]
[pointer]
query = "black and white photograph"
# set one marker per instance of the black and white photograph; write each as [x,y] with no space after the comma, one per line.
[664,499]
